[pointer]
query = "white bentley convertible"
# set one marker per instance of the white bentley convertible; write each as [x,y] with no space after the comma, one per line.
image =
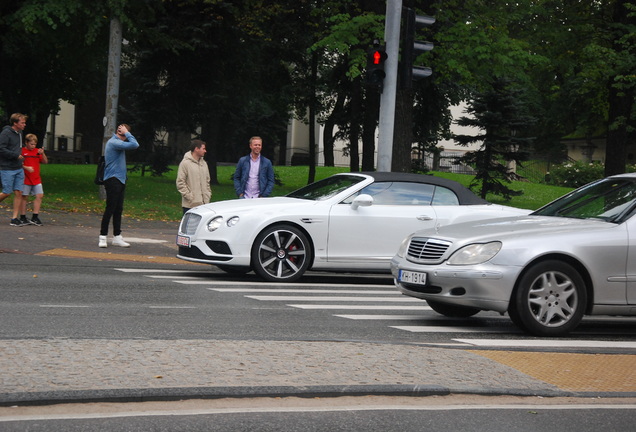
[346,222]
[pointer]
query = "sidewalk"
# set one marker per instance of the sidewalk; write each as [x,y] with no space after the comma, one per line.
[42,371]
[77,234]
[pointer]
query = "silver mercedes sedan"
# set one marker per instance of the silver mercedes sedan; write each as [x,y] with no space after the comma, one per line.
[575,256]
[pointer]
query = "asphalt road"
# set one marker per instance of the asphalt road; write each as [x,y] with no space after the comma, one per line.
[377,416]
[79,323]
[58,297]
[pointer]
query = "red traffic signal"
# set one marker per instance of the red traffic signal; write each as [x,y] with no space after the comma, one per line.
[376,57]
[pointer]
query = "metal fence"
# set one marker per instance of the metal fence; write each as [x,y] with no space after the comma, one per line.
[534,170]
[446,161]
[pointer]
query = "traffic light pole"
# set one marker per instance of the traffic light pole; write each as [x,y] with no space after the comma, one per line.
[387,100]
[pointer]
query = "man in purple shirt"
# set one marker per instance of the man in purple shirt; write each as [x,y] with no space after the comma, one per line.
[254,175]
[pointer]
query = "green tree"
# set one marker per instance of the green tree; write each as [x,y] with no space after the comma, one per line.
[49,50]
[621,85]
[587,87]
[52,50]
[228,79]
[474,42]
[501,117]
[346,103]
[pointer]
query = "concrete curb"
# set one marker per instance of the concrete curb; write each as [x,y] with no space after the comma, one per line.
[181,393]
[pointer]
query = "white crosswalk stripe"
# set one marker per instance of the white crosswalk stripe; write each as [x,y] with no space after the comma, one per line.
[382,317]
[137,270]
[300,291]
[307,286]
[545,343]
[455,329]
[360,307]
[335,298]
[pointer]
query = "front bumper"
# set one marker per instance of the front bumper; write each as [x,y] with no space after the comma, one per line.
[212,252]
[485,287]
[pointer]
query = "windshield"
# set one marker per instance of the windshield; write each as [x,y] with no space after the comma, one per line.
[326,188]
[405,193]
[612,200]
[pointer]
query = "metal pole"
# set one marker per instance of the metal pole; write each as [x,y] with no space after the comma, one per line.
[112,85]
[387,100]
[112,79]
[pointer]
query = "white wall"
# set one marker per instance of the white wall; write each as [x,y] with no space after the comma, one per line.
[64,125]
[298,139]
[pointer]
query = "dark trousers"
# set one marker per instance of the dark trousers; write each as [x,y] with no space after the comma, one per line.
[114,206]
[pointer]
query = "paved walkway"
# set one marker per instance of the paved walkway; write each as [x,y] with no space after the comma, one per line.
[37,371]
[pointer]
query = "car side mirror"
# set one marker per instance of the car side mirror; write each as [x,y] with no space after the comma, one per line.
[362,200]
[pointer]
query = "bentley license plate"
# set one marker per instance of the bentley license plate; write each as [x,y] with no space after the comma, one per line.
[412,277]
[183,241]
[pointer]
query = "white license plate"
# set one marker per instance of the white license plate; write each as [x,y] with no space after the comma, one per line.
[183,241]
[412,277]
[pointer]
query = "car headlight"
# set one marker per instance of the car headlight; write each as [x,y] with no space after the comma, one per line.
[475,253]
[232,221]
[401,252]
[215,223]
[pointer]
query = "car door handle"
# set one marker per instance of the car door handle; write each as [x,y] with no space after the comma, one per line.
[424,218]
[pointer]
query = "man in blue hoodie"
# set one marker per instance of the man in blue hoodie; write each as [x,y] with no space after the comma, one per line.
[11,169]
[115,175]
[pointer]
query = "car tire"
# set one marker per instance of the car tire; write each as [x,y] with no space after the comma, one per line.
[281,253]
[549,300]
[452,311]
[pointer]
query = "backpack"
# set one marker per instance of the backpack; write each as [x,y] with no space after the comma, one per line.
[99,175]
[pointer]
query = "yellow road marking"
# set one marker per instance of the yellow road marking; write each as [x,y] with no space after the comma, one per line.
[113,256]
[575,372]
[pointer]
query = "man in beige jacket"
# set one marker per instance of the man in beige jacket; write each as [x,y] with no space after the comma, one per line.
[193,177]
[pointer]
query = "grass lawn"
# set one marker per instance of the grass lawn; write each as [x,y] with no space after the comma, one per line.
[70,188]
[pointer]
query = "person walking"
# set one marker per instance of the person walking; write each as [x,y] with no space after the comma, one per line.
[33,156]
[11,163]
[254,175]
[115,176]
[193,177]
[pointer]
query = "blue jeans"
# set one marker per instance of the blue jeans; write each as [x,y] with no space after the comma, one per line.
[12,180]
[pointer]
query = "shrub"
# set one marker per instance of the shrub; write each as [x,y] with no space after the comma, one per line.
[575,174]
[419,166]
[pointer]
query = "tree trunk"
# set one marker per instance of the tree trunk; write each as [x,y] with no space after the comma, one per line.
[312,120]
[354,130]
[210,134]
[328,141]
[371,114]
[403,131]
[620,102]
[327,136]
[616,149]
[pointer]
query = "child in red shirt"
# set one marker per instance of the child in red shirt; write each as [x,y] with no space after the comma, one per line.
[33,156]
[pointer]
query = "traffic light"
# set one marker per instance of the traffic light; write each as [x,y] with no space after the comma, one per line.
[412,48]
[376,58]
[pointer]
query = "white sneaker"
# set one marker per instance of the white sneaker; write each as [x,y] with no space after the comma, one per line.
[102,241]
[119,241]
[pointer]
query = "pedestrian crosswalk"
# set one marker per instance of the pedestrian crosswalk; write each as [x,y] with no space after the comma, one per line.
[356,301]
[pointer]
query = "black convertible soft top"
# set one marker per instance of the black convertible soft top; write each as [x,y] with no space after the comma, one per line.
[465,195]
